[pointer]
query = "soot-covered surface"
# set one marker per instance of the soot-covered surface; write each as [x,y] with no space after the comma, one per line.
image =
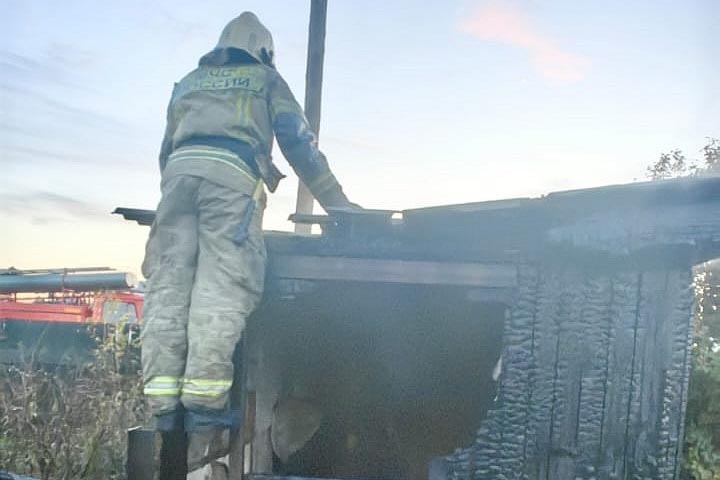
[595,347]
[401,374]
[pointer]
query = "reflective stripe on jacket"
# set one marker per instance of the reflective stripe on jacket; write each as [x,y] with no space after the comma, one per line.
[249,103]
[218,165]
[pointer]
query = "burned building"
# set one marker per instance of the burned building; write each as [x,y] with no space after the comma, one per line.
[377,348]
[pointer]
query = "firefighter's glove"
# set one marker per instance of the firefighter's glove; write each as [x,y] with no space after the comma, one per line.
[334,199]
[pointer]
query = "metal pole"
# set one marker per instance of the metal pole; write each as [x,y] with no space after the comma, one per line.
[313,94]
[57,282]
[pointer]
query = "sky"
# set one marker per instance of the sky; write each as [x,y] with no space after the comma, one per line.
[424,103]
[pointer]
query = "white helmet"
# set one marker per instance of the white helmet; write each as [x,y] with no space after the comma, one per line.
[247,33]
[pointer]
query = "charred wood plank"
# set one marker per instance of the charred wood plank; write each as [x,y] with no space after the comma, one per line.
[392,271]
[594,382]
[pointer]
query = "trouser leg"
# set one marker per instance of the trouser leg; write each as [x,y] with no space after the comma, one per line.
[228,287]
[171,257]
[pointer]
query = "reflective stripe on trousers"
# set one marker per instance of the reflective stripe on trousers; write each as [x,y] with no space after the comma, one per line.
[171,386]
[162,386]
[206,388]
[201,288]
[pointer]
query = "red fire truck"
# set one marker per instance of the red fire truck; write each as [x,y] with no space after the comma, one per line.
[55,315]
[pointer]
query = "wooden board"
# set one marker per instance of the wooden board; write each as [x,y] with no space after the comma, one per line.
[305,267]
[594,382]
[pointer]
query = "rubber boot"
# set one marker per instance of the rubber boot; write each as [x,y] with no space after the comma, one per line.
[173,456]
[173,421]
[209,435]
[173,449]
[206,446]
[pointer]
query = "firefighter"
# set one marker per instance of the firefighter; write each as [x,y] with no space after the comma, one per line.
[205,257]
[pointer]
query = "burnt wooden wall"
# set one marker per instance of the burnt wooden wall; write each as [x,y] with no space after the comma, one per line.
[595,379]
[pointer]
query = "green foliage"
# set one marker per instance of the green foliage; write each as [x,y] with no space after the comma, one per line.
[69,422]
[702,443]
[676,164]
[702,437]
[669,165]
[711,155]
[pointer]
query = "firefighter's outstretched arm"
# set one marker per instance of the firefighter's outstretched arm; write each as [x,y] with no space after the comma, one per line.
[299,145]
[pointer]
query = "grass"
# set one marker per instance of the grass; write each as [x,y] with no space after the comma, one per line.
[69,422]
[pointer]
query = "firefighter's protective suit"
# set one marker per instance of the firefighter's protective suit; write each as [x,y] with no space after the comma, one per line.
[205,257]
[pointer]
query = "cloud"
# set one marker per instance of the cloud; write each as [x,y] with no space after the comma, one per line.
[30,93]
[508,24]
[19,154]
[52,69]
[43,207]
[71,57]
[75,114]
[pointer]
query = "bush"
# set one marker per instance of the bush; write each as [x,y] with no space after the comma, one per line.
[702,421]
[70,422]
[702,439]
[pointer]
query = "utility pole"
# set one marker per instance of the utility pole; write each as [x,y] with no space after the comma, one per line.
[313,94]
